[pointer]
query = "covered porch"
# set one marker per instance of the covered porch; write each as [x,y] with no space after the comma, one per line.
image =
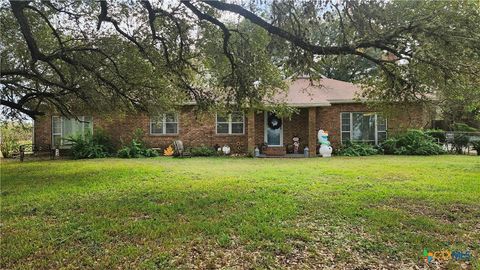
[274,136]
[324,99]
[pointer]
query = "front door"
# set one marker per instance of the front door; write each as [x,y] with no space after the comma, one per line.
[273,129]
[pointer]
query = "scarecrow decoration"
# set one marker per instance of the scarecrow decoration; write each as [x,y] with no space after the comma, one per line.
[296,144]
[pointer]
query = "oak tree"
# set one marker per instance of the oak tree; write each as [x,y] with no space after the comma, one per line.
[147,55]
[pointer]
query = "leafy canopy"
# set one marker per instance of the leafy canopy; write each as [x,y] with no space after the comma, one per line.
[72,56]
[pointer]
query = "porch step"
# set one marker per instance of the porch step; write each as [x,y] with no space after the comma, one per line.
[284,156]
[275,151]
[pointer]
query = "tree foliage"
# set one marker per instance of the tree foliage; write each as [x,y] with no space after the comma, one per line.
[72,56]
[13,135]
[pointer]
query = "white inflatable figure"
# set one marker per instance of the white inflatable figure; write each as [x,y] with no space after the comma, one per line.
[226,150]
[325,148]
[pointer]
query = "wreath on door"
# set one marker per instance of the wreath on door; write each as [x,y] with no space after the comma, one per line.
[274,122]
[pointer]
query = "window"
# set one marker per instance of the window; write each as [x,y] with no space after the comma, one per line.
[166,123]
[63,128]
[231,124]
[381,129]
[363,127]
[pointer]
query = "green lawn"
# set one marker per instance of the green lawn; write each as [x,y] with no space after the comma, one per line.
[364,212]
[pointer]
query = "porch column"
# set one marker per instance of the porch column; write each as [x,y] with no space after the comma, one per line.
[251,133]
[312,133]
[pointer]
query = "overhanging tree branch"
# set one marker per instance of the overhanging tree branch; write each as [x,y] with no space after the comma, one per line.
[65,59]
[296,40]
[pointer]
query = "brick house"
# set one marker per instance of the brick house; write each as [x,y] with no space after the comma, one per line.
[330,106]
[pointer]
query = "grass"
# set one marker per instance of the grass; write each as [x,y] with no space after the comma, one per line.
[162,213]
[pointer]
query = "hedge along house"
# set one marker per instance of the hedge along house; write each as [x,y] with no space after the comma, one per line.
[329,105]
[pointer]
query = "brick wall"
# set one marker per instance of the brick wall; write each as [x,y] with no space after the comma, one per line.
[197,129]
[296,125]
[42,131]
[328,118]
[259,128]
[193,129]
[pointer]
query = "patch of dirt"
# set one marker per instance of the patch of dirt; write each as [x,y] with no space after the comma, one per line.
[335,246]
[313,253]
[207,254]
[453,213]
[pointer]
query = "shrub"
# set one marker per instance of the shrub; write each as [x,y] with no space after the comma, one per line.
[463,127]
[100,137]
[9,142]
[203,151]
[90,146]
[476,146]
[124,152]
[437,134]
[149,152]
[413,142]
[136,149]
[460,141]
[352,149]
[12,135]
[139,135]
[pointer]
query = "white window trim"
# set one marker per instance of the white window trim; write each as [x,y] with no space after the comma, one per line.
[57,133]
[62,145]
[164,125]
[351,125]
[229,122]
[376,129]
